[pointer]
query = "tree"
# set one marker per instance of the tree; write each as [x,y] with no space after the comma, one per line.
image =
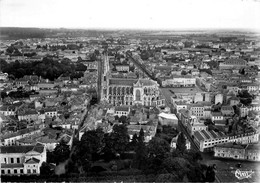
[245,97]
[120,138]
[140,157]
[183,72]
[158,150]
[176,165]
[133,143]
[141,136]
[196,173]
[111,118]
[181,143]
[91,143]
[193,156]
[210,174]
[3,94]
[45,169]
[61,152]
[167,177]
[115,142]
[123,119]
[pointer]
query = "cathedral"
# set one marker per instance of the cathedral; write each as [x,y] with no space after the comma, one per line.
[123,91]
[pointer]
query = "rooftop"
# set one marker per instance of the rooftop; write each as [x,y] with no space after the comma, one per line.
[21,149]
[122,108]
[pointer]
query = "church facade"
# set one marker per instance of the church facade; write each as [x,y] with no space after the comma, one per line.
[123,91]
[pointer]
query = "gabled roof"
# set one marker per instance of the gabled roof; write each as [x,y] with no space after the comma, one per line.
[123,82]
[216,114]
[122,108]
[147,82]
[38,148]
[32,161]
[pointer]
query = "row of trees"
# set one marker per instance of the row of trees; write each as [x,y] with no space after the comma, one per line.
[47,68]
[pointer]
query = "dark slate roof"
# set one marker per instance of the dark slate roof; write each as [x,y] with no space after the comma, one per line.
[16,149]
[122,108]
[213,133]
[198,136]
[147,82]
[205,134]
[14,165]
[22,149]
[124,82]
[38,148]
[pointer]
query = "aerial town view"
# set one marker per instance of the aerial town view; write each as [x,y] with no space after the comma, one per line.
[109,91]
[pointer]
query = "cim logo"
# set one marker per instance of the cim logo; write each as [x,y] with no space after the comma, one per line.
[243,174]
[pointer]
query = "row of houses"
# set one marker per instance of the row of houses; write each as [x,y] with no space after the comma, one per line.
[249,152]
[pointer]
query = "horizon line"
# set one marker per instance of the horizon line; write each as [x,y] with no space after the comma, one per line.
[142,29]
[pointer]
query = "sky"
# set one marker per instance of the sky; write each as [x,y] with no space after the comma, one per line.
[131,14]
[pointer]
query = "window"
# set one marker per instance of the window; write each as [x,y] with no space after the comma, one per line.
[5,160]
[34,170]
[12,160]
[138,95]
[29,171]
[15,171]
[21,171]
[18,160]
[9,171]
[3,171]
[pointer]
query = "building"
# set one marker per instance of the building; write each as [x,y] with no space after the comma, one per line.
[181,104]
[180,81]
[168,119]
[3,76]
[227,111]
[249,152]
[207,140]
[10,139]
[122,110]
[198,97]
[22,160]
[8,110]
[28,115]
[243,111]
[234,101]
[91,64]
[198,109]
[149,131]
[174,143]
[46,85]
[134,91]
[246,137]
[50,112]
[233,64]
[122,67]
[190,121]
[216,116]
[219,98]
